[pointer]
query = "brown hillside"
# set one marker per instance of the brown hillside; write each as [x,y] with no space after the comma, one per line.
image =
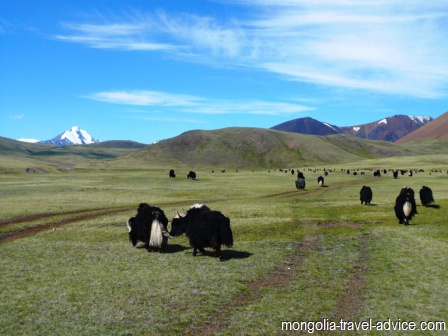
[436,129]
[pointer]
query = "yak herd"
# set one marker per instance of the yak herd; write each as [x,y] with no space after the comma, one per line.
[405,207]
[206,228]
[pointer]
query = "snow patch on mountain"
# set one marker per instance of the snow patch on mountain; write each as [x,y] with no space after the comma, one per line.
[330,126]
[74,136]
[422,119]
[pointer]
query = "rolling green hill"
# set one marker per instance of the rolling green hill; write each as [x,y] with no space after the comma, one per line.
[240,147]
[234,147]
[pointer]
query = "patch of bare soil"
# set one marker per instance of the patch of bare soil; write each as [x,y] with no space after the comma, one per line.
[279,277]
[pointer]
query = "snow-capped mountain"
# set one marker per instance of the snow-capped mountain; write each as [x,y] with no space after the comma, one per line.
[388,129]
[74,136]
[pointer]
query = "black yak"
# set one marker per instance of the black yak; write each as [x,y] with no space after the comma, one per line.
[377,173]
[395,174]
[405,207]
[426,196]
[320,180]
[204,228]
[172,173]
[192,175]
[365,195]
[300,175]
[300,183]
[149,226]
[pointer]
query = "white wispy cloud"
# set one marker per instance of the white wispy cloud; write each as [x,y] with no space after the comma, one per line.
[391,47]
[194,104]
[17,116]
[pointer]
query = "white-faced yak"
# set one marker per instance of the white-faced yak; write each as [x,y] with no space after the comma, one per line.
[426,196]
[405,207]
[149,226]
[365,195]
[204,228]
[320,181]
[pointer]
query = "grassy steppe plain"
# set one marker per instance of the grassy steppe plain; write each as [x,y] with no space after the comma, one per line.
[298,255]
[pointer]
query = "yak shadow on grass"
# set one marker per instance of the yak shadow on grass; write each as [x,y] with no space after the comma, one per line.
[226,254]
[434,206]
[170,248]
[175,248]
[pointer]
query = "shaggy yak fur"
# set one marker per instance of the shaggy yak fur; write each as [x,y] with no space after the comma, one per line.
[320,180]
[300,183]
[149,226]
[405,207]
[365,195]
[172,173]
[426,196]
[204,228]
[192,175]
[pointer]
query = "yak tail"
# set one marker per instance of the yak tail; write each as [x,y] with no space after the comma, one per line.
[226,232]
[156,238]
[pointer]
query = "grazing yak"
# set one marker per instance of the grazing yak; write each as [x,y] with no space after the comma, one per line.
[300,183]
[426,196]
[377,173]
[320,180]
[192,175]
[365,195]
[395,174]
[405,207]
[204,228]
[150,226]
[172,173]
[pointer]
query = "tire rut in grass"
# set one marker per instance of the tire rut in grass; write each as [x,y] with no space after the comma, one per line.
[351,300]
[281,276]
[37,228]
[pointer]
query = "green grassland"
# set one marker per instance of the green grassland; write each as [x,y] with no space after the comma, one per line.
[68,268]
[296,256]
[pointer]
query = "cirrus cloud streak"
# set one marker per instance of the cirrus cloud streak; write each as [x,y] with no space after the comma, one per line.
[194,104]
[390,47]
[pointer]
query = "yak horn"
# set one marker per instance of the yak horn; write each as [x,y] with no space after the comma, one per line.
[166,234]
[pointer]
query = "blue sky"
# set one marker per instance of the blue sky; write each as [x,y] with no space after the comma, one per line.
[150,70]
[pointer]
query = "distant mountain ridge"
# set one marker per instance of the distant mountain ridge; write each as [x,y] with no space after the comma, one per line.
[74,136]
[388,129]
[308,126]
[436,129]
